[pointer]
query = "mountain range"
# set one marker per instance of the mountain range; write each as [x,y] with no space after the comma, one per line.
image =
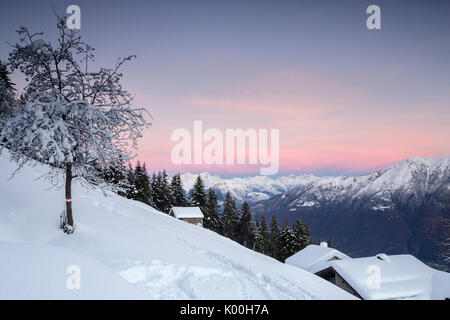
[402,209]
[250,189]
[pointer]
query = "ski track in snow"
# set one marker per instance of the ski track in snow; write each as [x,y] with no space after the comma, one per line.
[171,281]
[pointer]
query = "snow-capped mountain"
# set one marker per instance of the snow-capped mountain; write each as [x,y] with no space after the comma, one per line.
[399,209]
[251,189]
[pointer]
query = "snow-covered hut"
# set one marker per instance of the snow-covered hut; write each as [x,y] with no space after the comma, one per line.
[314,258]
[189,214]
[388,277]
[375,278]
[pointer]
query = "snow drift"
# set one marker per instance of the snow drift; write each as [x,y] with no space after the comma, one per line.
[117,239]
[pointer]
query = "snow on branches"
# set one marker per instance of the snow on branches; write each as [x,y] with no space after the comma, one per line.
[74,120]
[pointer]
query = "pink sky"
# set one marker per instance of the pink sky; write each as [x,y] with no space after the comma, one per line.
[345,99]
[326,127]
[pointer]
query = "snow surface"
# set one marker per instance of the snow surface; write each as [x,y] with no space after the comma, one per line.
[117,239]
[41,272]
[400,277]
[313,257]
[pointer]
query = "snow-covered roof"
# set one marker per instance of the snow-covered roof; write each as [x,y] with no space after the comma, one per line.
[380,277]
[392,277]
[314,258]
[186,212]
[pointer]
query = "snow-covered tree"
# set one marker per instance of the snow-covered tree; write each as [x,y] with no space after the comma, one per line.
[274,248]
[230,218]
[246,236]
[265,235]
[129,188]
[255,239]
[178,194]
[212,220]
[73,120]
[154,187]
[197,195]
[7,101]
[302,236]
[288,242]
[142,182]
[117,175]
[162,192]
[444,255]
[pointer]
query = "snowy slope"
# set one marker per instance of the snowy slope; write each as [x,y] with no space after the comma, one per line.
[250,189]
[42,272]
[117,239]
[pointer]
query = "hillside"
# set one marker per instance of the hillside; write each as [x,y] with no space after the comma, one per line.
[126,249]
[397,210]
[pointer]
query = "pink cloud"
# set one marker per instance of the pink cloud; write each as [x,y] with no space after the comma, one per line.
[324,125]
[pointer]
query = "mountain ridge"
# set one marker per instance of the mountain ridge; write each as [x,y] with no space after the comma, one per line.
[257,188]
[396,210]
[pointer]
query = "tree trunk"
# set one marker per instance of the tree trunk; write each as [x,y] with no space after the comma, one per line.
[68,228]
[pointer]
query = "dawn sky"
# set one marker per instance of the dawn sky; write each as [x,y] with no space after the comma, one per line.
[346,100]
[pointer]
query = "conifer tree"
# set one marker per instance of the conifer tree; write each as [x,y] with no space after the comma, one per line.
[265,235]
[163,192]
[7,102]
[307,235]
[245,226]
[301,235]
[329,243]
[288,242]
[212,220]
[143,187]
[256,239]
[130,186]
[117,176]
[230,218]
[274,250]
[5,76]
[197,196]
[155,189]
[177,191]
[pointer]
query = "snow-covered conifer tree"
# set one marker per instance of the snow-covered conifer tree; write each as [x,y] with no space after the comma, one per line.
[197,195]
[178,193]
[302,235]
[143,187]
[265,235]
[245,226]
[230,218]
[288,242]
[7,101]
[212,220]
[274,248]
